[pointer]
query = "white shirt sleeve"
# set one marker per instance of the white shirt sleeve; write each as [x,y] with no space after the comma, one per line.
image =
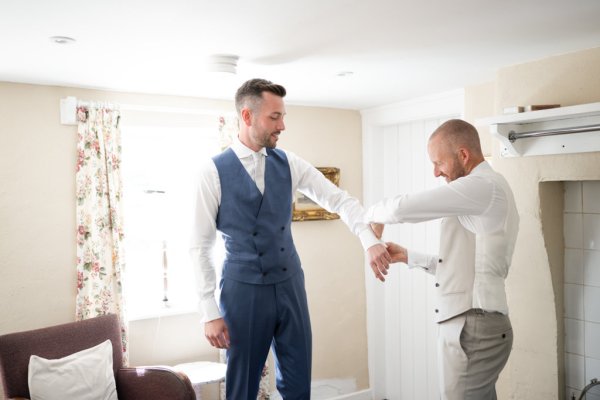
[426,262]
[468,195]
[204,232]
[312,183]
[305,178]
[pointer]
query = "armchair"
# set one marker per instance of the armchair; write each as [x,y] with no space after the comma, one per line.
[148,383]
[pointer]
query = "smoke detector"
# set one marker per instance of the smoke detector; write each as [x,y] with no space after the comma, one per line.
[226,63]
[63,40]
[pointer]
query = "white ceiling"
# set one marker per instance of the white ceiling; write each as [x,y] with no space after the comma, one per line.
[396,49]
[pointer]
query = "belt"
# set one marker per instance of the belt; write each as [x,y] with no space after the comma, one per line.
[482,311]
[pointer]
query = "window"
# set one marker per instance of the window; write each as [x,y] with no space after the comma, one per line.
[159,167]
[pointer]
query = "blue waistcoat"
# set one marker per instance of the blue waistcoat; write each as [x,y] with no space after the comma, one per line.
[256,227]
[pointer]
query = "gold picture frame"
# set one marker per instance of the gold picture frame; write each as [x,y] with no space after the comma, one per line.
[304,209]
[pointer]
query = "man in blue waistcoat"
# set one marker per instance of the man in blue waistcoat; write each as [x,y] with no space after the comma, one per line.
[245,193]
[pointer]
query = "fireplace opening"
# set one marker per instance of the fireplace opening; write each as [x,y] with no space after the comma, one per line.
[570,212]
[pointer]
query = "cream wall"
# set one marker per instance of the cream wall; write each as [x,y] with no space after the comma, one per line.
[37,230]
[332,257]
[479,103]
[534,370]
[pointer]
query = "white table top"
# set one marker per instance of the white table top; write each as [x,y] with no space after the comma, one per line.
[203,372]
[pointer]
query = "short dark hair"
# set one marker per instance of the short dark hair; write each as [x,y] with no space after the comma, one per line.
[250,93]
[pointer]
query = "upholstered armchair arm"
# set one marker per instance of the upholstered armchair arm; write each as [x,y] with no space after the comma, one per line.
[153,383]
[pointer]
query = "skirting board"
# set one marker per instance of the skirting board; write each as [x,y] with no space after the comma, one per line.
[362,395]
[331,385]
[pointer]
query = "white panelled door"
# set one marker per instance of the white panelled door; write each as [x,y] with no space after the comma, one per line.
[401,329]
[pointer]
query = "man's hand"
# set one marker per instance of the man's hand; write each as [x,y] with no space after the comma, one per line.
[377,229]
[217,334]
[379,260]
[397,253]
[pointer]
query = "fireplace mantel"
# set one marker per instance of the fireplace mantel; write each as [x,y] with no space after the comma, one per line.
[562,130]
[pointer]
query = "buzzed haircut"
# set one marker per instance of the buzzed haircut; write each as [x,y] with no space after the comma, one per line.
[250,93]
[459,133]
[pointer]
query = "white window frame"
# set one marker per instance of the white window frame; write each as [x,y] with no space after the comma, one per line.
[182,297]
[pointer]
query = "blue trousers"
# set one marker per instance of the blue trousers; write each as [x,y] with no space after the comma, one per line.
[261,316]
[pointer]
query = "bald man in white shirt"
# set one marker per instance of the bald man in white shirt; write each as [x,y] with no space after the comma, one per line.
[478,234]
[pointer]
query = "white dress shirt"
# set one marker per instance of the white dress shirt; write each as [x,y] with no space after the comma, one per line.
[305,178]
[483,203]
[477,200]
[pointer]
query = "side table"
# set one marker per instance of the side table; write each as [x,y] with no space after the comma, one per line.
[202,373]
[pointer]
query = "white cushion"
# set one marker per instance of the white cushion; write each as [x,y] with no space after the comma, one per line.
[85,375]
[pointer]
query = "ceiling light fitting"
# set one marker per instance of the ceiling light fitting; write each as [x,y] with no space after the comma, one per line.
[223,63]
[61,39]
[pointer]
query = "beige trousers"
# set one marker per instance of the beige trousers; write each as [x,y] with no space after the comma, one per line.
[473,347]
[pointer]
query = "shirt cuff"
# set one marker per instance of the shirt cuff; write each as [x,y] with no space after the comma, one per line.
[210,310]
[416,259]
[368,239]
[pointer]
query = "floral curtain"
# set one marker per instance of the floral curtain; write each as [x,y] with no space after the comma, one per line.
[228,130]
[100,258]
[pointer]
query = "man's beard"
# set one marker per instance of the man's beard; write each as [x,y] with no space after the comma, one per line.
[458,172]
[268,141]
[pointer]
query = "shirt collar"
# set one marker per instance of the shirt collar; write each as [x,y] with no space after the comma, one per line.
[242,151]
[482,166]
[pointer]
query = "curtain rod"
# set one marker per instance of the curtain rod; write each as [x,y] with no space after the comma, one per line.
[96,104]
[68,107]
[174,110]
[146,108]
[513,136]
